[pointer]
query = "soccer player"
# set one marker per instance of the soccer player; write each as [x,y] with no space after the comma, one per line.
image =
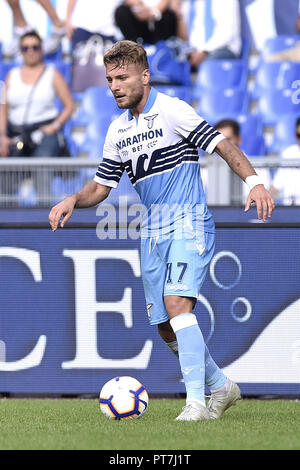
[155,140]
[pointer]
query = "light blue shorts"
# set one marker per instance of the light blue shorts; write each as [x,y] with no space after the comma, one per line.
[173,267]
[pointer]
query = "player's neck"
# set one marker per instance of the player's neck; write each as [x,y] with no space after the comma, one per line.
[137,110]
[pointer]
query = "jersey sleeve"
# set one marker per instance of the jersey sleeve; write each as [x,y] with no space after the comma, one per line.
[188,124]
[111,168]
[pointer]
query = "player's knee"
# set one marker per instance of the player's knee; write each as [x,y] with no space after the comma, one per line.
[175,305]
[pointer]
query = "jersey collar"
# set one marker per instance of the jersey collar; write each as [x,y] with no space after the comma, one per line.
[150,102]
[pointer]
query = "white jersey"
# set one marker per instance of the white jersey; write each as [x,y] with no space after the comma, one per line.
[159,152]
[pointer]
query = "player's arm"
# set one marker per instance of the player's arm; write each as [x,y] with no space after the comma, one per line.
[238,162]
[90,195]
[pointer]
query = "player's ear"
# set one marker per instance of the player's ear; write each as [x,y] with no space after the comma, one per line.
[146,76]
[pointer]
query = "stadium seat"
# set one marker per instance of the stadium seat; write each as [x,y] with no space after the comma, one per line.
[230,101]
[275,75]
[279,43]
[284,133]
[250,124]
[5,67]
[95,134]
[96,102]
[95,149]
[251,131]
[77,96]
[65,68]
[253,145]
[245,50]
[220,74]
[168,64]
[54,57]
[182,92]
[274,103]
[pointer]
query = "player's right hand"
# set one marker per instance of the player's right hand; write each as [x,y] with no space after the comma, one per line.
[63,211]
[265,204]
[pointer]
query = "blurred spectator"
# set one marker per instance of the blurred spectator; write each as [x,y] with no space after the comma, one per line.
[291,54]
[88,17]
[285,186]
[214,29]
[151,21]
[231,129]
[91,29]
[21,27]
[298,23]
[30,123]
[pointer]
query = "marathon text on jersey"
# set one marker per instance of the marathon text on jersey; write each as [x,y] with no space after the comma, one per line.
[142,137]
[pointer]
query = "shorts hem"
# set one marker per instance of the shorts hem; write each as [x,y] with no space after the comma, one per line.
[157,322]
[182,294]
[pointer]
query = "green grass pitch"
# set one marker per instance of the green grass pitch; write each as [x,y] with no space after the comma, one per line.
[78,424]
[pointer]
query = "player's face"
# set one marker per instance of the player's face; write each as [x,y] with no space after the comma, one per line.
[129,85]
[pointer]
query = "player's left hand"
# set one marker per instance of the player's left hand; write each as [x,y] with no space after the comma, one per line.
[263,200]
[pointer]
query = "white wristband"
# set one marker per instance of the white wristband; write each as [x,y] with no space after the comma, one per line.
[253,181]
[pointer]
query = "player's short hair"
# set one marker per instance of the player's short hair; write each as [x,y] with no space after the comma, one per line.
[126,52]
[234,125]
[297,122]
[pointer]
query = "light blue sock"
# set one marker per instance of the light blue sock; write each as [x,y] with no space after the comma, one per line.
[214,377]
[191,348]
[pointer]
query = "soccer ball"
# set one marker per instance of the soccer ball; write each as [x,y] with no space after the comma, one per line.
[123,397]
